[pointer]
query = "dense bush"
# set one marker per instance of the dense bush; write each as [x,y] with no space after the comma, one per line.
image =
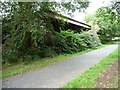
[28,32]
[62,42]
[70,42]
[90,38]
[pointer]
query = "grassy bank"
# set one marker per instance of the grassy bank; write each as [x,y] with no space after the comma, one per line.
[14,69]
[89,78]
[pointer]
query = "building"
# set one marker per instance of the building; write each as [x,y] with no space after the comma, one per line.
[68,22]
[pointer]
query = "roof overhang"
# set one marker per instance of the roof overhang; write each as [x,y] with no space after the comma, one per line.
[73,22]
[66,19]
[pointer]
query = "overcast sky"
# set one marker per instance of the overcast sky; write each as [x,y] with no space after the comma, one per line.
[93,6]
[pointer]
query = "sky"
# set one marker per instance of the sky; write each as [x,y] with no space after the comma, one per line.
[93,6]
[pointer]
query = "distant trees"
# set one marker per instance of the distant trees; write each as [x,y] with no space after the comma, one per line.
[108,21]
[90,17]
[91,20]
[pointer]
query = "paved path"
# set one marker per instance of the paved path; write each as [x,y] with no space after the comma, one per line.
[56,75]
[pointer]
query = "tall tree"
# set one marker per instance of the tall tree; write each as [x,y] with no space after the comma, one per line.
[108,21]
[27,29]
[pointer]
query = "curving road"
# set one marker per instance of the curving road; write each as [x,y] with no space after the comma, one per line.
[56,75]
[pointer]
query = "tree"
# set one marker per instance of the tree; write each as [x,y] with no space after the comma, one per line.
[28,30]
[90,17]
[108,21]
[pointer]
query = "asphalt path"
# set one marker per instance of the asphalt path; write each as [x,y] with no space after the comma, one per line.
[56,75]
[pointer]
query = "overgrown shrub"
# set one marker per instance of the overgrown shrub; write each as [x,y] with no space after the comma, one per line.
[27,31]
[90,38]
[46,51]
[9,55]
[28,37]
[70,42]
[60,42]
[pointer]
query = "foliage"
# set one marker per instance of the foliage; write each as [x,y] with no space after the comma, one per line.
[70,42]
[108,21]
[89,17]
[14,69]
[90,38]
[24,36]
[27,30]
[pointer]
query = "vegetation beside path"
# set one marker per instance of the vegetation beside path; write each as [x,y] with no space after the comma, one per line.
[14,69]
[109,78]
[89,78]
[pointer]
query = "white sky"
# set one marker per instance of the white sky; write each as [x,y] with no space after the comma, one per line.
[93,6]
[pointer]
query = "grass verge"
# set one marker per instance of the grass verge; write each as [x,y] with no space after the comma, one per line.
[89,78]
[14,69]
